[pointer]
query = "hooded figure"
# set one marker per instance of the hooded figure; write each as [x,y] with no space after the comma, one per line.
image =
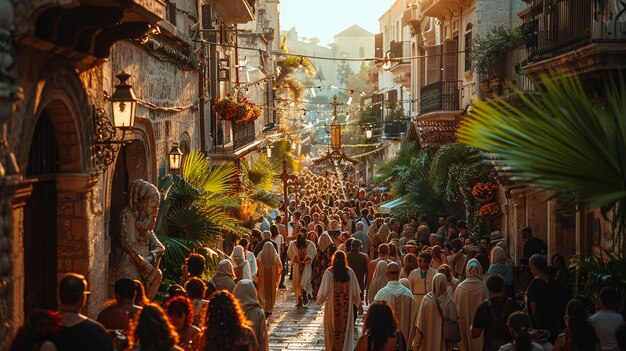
[467,297]
[224,276]
[270,268]
[379,280]
[242,266]
[429,321]
[245,292]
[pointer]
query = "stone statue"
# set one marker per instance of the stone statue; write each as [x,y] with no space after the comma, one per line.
[141,251]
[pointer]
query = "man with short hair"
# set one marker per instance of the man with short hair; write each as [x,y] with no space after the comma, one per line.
[263,224]
[316,220]
[119,315]
[358,261]
[401,301]
[421,278]
[607,320]
[77,330]
[461,225]
[442,231]
[394,226]
[362,236]
[492,315]
[541,299]
[267,238]
[195,269]
[532,245]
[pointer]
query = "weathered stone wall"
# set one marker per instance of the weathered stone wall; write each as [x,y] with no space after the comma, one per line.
[163,84]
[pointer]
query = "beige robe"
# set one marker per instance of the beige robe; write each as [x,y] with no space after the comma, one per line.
[245,292]
[429,328]
[269,270]
[326,294]
[420,287]
[467,297]
[302,282]
[404,308]
[379,280]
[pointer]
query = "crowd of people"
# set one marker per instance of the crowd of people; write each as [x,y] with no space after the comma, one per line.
[423,289]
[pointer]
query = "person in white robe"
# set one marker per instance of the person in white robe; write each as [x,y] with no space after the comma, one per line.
[467,297]
[246,293]
[429,330]
[241,264]
[379,280]
[401,300]
[338,292]
[224,278]
[252,262]
[270,268]
[422,277]
[302,252]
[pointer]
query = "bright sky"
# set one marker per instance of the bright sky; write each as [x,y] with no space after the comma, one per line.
[325,18]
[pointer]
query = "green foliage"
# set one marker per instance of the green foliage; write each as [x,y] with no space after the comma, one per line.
[397,113]
[489,52]
[287,77]
[367,115]
[597,272]
[344,71]
[259,173]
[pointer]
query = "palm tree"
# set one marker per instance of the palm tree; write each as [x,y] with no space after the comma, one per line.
[193,213]
[568,142]
[287,76]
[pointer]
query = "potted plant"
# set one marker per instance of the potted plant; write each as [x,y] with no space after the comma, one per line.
[489,53]
[484,192]
[490,210]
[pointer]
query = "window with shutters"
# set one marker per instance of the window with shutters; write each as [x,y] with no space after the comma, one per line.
[422,66]
[378,45]
[392,99]
[468,47]
[450,58]
[433,63]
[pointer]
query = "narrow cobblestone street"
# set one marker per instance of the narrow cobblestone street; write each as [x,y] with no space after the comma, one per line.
[298,328]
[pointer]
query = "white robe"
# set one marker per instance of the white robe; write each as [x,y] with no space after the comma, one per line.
[420,287]
[467,297]
[305,280]
[252,261]
[429,332]
[325,295]
[403,305]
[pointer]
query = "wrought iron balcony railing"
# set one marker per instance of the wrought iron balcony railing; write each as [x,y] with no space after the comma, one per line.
[232,136]
[440,96]
[568,25]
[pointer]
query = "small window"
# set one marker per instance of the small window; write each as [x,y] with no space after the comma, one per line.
[361,52]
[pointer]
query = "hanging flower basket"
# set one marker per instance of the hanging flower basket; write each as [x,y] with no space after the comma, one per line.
[484,192]
[239,112]
[490,210]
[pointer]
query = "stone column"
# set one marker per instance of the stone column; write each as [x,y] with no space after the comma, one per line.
[80,236]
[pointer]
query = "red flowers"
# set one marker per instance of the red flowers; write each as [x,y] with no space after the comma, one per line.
[490,209]
[485,190]
[238,111]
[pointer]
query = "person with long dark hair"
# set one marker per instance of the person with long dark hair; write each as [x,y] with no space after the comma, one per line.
[380,330]
[519,326]
[152,331]
[228,329]
[578,334]
[180,313]
[302,252]
[339,291]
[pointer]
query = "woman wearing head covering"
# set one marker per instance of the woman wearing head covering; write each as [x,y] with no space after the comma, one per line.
[270,268]
[379,280]
[499,265]
[467,297]
[429,320]
[224,276]
[242,266]
[245,292]
[325,250]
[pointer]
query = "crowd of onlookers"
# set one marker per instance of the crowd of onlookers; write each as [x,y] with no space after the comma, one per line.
[423,289]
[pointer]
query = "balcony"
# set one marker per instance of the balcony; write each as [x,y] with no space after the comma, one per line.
[440,8]
[236,11]
[588,33]
[440,96]
[234,140]
[395,129]
[401,69]
[411,17]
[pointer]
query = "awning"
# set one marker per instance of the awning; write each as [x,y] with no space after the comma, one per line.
[388,206]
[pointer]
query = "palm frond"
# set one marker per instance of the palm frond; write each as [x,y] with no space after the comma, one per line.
[449,155]
[198,172]
[259,173]
[560,139]
[269,199]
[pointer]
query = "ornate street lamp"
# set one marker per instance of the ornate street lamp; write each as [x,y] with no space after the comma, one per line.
[124,103]
[368,132]
[175,158]
[268,150]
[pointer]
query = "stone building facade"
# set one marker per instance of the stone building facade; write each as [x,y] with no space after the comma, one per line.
[59,202]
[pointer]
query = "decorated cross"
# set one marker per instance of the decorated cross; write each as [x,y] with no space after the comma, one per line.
[285,177]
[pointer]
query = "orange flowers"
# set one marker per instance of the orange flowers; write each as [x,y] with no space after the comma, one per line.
[490,209]
[485,190]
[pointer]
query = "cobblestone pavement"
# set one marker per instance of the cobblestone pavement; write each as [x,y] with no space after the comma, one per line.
[298,328]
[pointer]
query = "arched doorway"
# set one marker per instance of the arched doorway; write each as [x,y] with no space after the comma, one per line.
[40,219]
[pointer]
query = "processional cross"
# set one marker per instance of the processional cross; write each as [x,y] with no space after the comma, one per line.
[285,177]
